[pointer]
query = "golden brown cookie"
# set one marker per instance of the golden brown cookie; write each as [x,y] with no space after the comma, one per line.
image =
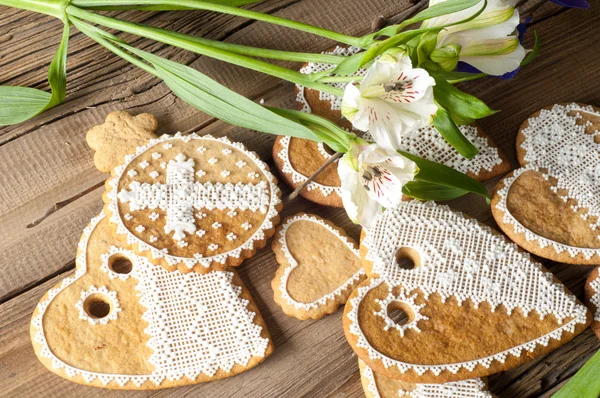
[192,202]
[119,135]
[122,322]
[551,205]
[378,386]
[592,298]
[319,266]
[474,304]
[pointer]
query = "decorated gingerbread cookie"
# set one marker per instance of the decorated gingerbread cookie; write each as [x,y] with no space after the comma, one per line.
[319,266]
[378,386]
[192,202]
[551,205]
[474,304]
[592,298]
[297,159]
[122,322]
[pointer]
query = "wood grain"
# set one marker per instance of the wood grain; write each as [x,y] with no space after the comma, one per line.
[46,160]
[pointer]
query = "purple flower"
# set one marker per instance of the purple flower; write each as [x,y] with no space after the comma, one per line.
[572,3]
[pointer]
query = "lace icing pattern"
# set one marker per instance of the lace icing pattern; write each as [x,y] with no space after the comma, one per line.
[556,146]
[471,388]
[293,264]
[254,193]
[190,332]
[595,299]
[463,259]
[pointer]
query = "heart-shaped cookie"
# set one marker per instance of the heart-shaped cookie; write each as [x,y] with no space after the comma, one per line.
[122,322]
[474,304]
[378,386]
[319,266]
[592,298]
[193,203]
[551,205]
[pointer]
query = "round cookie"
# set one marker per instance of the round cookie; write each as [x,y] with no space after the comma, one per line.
[190,202]
[378,386]
[551,205]
[474,304]
[121,322]
[319,266]
[592,298]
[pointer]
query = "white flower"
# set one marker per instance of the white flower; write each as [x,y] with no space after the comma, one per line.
[488,42]
[372,178]
[391,100]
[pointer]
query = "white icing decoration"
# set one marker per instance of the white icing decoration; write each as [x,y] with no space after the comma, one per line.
[108,295]
[144,164]
[246,225]
[200,233]
[153,174]
[128,217]
[201,173]
[212,161]
[293,264]
[168,145]
[225,173]
[266,202]
[557,147]
[153,238]
[232,213]
[471,388]
[156,155]
[226,151]
[140,228]
[253,175]
[213,246]
[217,225]
[231,236]
[105,258]
[163,165]
[240,163]
[182,243]
[407,300]
[487,269]
[595,299]
[154,216]
[132,173]
[201,149]
[176,305]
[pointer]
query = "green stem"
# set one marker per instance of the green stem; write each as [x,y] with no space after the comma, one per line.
[224,9]
[184,42]
[55,8]
[340,79]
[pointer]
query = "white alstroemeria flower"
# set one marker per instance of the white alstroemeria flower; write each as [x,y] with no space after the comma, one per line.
[372,179]
[489,42]
[393,98]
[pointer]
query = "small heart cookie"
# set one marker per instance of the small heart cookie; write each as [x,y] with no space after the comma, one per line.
[551,205]
[319,266]
[592,298]
[193,203]
[378,386]
[119,135]
[474,304]
[122,322]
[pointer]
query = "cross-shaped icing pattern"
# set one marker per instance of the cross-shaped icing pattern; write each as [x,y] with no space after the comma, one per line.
[190,195]
[465,260]
[182,194]
[558,147]
[471,388]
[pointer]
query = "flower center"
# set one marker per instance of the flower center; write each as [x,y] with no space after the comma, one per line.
[394,86]
[374,177]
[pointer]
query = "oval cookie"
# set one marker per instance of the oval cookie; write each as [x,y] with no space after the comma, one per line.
[124,323]
[474,304]
[319,266]
[195,203]
[378,386]
[551,205]
[592,298]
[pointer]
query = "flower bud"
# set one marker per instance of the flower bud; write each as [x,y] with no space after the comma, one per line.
[393,54]
[447,56]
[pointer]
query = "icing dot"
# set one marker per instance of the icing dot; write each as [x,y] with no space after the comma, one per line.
[232,213]
[156,155]
[240,163]
[163,165]
[253,175]
[168,145]
[144,164]
[225,173]
[152,239]
[154,174]
[231,236]
[246,226]
[182,243]
[213,161]
[132,173]
[200,232]
[201,149]
[201,173]
[213,247]
[216,225]
[140,228]
[226,151]
[128,217]
[154,216]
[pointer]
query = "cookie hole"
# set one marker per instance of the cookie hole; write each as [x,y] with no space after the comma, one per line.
[597,139]
[407,258]
[97,306]
[400,313]
[120,265]
[327,149]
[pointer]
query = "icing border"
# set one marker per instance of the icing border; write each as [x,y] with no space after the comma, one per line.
[190,262]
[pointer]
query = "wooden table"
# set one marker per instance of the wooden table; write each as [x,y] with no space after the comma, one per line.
[46,160]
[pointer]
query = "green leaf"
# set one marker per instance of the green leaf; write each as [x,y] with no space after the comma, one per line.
[585,383]
[18,104]
[457,102]
[350,65]
[428,191]
[207,95]
[452,134]
[534,52]
[436,173]
[458,77]
[157,7]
